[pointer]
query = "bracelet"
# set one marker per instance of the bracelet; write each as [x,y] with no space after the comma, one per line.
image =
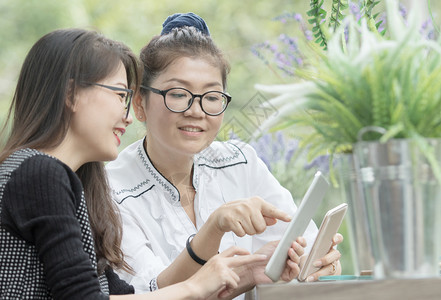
[191,252]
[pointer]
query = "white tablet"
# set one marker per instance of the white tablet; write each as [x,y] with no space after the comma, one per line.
[310,202]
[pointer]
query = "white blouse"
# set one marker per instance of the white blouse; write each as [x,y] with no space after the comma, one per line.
[156,227]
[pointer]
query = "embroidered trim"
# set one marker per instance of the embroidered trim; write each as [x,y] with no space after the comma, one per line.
[135,196]
[213,156]
[153,286]
[154,173]
[141,184]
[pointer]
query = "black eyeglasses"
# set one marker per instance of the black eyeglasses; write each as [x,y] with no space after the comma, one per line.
[177,100]
[124,94]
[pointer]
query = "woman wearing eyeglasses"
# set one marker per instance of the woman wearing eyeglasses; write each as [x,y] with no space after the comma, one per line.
[179,189]
[60,234]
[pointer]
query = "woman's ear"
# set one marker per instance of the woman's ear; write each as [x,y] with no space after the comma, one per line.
[70,96]
[138,107]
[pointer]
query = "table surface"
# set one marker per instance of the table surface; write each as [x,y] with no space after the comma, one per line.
[427,288]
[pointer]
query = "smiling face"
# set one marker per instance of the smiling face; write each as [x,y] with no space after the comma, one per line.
[99,118]
[186,133]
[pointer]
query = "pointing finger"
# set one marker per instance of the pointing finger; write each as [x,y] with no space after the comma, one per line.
[234,251]
[270,211]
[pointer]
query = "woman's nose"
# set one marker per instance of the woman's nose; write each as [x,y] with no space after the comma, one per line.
[129,119]
[195,109]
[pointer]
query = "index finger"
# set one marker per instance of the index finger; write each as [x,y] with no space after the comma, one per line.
[234,251]
[270,211]
[238,261]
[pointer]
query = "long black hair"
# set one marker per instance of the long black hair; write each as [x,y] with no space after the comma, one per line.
[56,66]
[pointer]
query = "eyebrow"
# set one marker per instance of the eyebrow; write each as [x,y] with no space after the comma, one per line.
[120,83]
[185,82]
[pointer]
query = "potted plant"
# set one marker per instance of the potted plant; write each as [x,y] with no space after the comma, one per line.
[348,87]
[378,97]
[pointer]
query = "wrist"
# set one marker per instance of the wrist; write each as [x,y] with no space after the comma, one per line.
[213,226]
[246,274]
[192,254]
[191,290]
[202,246]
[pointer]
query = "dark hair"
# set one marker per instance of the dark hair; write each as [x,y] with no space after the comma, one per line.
[58,64]
[185,41]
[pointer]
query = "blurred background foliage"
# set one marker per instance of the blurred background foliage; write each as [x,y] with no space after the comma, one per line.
[236,26]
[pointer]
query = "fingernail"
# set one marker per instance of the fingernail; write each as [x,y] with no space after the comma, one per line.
[317,263]
[310,278]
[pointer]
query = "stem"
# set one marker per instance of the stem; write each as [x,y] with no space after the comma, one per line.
[431,16]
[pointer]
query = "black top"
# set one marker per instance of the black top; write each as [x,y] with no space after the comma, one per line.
[46,243]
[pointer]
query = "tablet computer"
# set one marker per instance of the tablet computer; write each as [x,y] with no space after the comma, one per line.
[306,210]
[323,242]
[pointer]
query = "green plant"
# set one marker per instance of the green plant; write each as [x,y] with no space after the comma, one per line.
[318,17]
[287,53]
[366,79]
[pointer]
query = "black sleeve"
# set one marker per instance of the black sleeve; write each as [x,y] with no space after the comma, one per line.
[41,199]
[118,286]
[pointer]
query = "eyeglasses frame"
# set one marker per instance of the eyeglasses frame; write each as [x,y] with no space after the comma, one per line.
[130,93]
[193,96]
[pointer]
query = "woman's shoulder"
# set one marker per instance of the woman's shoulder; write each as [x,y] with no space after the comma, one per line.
[32,160]
[30,176]
[30,166]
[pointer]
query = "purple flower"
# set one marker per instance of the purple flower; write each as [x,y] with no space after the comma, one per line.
[291,148]
[403,11]
[320,163]
[308,35]
[427,29]
[286,56]
[355,10]
[273,48]
[298,17]
[256,51]
[234,136]
[275,149]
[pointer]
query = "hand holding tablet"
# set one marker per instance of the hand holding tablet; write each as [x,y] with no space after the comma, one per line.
[310,202]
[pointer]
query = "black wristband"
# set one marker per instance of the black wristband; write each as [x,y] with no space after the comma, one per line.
[191,252]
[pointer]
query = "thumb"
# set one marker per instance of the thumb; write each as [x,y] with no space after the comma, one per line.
[224,293]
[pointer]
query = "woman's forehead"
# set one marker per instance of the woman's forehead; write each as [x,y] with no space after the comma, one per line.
[187,70]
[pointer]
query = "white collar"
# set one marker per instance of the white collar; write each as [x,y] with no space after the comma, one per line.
[133,173]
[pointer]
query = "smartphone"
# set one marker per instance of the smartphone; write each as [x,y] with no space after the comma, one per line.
[323,242]
[306,210]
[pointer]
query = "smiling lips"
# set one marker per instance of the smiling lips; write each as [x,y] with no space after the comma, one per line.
[118,132]
[191,129]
